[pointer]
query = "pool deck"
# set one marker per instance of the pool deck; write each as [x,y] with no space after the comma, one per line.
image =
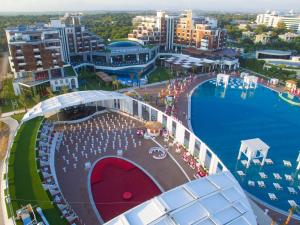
[183,105]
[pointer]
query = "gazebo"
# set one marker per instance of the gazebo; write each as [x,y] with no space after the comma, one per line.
[274,81]
[250,81]
[153,128]
[222,79]
[253,149]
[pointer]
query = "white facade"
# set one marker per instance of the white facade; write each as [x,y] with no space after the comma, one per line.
[271,19]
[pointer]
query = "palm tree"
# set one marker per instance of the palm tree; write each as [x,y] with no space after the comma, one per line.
[139,75]
[131,78]
[23,101]
[36,98]
[64,89]
[50,92]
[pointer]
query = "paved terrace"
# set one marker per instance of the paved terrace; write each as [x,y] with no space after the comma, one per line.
[103,135]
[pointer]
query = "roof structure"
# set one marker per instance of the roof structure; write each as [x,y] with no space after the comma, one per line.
[105,77]
[55,104]
[213,200]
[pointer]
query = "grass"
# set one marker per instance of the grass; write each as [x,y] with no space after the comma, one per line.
[25,186]
[18,117]
[158,75]
[89,81]
[274,72]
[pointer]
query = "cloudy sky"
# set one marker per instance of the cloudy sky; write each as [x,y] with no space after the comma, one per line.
[77,5]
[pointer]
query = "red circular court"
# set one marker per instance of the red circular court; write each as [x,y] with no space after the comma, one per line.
[117,186]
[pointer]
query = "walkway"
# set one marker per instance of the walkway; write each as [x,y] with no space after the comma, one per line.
[13,126]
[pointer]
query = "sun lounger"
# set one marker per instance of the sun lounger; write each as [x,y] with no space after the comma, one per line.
[263,175]
[261,184]
[240,173]
[272,196]
[277,186]
[277,176]
[287,163]
[251,183]
[292,190]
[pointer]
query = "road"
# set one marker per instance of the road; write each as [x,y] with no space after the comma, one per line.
[13,125]
[3,67]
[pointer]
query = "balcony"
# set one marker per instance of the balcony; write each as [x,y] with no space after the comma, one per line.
[37,56]
[36,50]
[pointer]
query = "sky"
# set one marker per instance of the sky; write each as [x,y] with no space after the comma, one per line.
[211,5]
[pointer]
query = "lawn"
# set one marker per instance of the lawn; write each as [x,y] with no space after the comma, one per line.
[25,185]
[158,75]
[89,81]
[18,117]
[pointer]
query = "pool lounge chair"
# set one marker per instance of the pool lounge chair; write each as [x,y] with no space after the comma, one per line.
[277,186]
[287,163]
[292,203]
[269,161]
[251,183]
[277,176]
[272,196]
[261,184]
[263,175]
[240,173]
[292,190]
[288,177]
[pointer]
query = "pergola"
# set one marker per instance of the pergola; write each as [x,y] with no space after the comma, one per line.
[105,77]
[222,79]
[253,149]
[274,81]
[250,81]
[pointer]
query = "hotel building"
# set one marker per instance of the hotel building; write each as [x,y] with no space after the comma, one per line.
[178,32]
[271,19]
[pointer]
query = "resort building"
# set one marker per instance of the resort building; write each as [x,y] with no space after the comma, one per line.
[271,19]
[36,57]
[177,32]
[273,54]
[288,37]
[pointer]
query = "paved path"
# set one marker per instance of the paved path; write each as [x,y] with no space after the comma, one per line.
[13,126]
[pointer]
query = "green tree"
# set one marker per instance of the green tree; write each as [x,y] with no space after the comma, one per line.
[64,89]
[36,98]
[50,92]
[23,101]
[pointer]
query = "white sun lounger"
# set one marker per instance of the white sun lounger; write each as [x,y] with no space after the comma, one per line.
[244,162]
[292,203]
[277,176]
[261,184]
[251,183]
[269,161]
[263,175]
[287,163]
[272,196]
[292,190]
[288,177]
[256,161]
[277,186]
[240,173]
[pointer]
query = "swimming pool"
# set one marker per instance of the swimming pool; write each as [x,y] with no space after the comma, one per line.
[224,117]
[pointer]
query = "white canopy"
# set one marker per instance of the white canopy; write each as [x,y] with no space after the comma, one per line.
[252,149]
[216,199]
[55,104]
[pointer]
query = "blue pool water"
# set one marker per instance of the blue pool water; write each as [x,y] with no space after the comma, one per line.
[222,118]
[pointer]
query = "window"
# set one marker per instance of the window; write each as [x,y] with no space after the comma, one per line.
[186,138]
[154,115]
[207,159]
[197,148]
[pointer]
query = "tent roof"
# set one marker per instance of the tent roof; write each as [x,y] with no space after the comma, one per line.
[255,144]
[216,199]
[59,102]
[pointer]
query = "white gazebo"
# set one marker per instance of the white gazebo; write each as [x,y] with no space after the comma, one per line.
[222,79]
[274,81]
[253,149]
[250,81]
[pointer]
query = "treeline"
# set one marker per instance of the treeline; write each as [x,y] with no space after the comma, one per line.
[107,25]
[11,21]
[110,25]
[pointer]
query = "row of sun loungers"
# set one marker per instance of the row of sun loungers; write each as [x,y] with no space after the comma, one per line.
[44,146]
